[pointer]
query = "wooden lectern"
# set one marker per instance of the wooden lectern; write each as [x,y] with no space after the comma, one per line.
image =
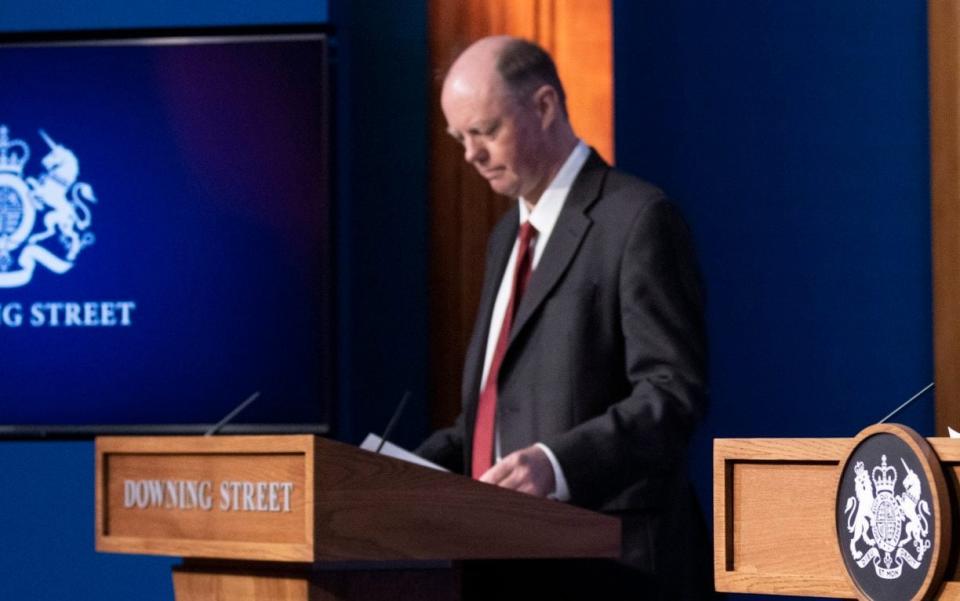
[775,517]
[304,518]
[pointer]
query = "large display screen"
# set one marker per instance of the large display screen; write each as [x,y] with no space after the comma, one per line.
[165,232]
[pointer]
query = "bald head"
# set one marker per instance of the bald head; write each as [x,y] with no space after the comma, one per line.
[512,65]
[504,102]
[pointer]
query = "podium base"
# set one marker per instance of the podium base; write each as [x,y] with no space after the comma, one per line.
[197,580]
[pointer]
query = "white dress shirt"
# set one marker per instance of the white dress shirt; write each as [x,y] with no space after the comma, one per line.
[543,217]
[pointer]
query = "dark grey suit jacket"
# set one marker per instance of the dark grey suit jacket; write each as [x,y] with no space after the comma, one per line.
[606,365]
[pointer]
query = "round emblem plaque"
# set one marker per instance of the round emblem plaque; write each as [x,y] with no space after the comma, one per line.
[892,515]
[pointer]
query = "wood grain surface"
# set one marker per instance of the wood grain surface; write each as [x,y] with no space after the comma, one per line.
[371,507]
[944,60]
[279,536]
[199,582]
[774,516]
[352,505]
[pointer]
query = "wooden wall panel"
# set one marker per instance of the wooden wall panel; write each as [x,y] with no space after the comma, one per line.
[463,210]
[585,55]
[944,28]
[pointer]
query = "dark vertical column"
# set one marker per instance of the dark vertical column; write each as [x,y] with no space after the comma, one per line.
[381,100]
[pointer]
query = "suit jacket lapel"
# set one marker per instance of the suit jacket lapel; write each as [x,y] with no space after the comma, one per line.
[568,233]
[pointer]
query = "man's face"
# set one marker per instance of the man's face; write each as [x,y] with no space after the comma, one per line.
[500,134]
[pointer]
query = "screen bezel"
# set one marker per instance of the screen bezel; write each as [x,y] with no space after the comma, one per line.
[195,35]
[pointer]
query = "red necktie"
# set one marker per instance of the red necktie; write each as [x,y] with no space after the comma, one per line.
[483,429]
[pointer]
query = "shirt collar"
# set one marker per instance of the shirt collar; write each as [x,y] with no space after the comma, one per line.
[545,213]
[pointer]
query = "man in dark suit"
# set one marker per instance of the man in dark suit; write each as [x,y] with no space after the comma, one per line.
[585,374]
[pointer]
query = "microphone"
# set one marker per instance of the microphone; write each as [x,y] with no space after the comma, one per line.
[393,421]
[907,403]
[226,420]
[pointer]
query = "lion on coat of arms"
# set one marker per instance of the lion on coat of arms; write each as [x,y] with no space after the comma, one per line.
[860,510]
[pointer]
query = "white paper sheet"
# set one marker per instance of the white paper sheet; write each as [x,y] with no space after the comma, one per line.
[372,441]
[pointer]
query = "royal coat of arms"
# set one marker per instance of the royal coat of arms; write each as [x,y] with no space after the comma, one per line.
[893,527]
[55,199]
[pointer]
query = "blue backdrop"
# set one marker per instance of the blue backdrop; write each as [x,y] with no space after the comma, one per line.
[795,137]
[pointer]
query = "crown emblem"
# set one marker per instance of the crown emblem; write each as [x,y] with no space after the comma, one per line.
[884,476]
[13,153]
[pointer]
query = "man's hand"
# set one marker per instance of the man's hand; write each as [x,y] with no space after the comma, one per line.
[527,470]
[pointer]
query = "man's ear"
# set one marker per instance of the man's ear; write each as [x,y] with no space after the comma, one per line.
[547,103]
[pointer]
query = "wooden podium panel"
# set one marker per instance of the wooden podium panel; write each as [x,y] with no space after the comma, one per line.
[232,497]
[774,516]
[345,504]
[948,451]
[302,518]
[374,508]
[203,582]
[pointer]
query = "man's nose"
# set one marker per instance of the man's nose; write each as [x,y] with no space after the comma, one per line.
[474,152]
